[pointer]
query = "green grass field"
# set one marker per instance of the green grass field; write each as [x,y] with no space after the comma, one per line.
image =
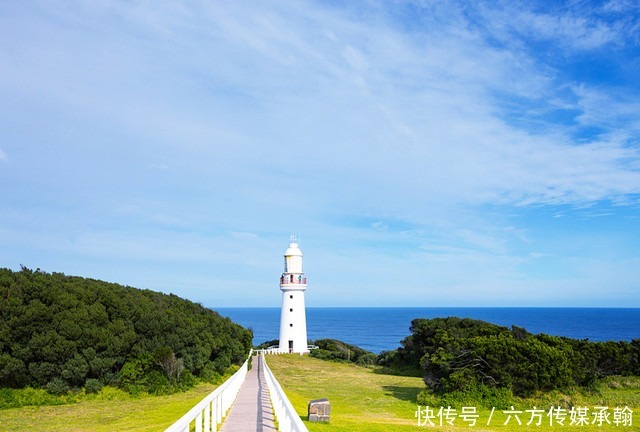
[362,400]
[112,410]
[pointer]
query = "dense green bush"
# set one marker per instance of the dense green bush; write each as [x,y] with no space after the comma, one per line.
[467,356]
[335,350]
[57,387]
[93,385]
[332,349]
[60,332]
[269,343]
[28,396]
[475,395]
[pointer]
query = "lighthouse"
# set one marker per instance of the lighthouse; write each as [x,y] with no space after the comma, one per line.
[293,319]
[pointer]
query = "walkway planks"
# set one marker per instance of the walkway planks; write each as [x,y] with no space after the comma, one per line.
[252,409]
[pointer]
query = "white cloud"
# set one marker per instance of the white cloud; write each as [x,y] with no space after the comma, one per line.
[608,109]
[419,106]
[277,117]
[621,6]
[3,156]
[578,27]
[573,31]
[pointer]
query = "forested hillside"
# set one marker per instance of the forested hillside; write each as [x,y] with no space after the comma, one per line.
[61,332]
[332,349]
[464,355]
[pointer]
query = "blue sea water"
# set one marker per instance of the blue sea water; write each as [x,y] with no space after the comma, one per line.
[381,329]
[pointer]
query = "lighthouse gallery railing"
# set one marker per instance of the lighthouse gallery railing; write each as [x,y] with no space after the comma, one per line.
[210,411]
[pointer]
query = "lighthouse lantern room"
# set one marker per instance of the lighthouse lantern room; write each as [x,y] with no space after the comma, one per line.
[293,320]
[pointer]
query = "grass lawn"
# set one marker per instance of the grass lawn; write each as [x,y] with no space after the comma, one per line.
[112,410]
[363,400]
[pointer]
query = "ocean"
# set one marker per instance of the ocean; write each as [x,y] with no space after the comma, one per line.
[382,329]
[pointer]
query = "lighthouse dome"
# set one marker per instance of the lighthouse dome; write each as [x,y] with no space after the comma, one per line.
[293,259]
[293,250]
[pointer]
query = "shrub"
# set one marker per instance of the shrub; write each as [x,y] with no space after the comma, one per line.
[332,349]
[187,380]
[269,343]
[93,385]
[464,355]
[57,386]
[28,396]
[133,373]
[211,376]
[75,370]
[158,383]
[478,396]
[368,359]
[12,371]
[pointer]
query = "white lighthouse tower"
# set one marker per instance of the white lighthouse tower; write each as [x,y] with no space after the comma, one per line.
[293,319]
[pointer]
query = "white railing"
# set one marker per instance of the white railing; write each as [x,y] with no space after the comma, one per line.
[271,350]
[210,411]
[288,419]
[274,349]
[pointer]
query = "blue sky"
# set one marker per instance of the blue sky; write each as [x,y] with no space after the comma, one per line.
[439,153]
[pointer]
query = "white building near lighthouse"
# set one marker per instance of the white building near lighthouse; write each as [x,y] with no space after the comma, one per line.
[293,319]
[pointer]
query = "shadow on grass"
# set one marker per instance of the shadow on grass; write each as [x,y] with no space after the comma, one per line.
[403,393]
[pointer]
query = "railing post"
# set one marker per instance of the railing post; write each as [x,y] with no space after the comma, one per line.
[199,422]
[207,419]
[219,408]
[214,414]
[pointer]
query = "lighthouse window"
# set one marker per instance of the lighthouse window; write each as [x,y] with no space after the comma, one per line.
[291,296]
[290,325]
[291,310]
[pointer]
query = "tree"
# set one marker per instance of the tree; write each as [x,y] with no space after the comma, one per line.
[458,354]
[62,331]
[170,364]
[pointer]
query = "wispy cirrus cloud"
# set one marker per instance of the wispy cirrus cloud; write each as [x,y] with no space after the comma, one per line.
[229,123]
[610,109]
[570,30]
[569,27]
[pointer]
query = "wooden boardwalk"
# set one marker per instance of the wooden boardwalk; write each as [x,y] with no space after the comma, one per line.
[252,409]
